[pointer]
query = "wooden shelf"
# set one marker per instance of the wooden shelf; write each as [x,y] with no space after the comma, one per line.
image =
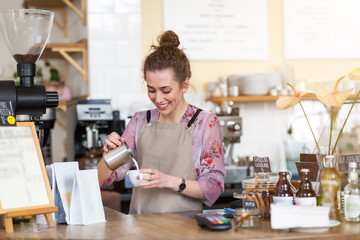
[63,50]
[59,4]
[63,104]
[259,98]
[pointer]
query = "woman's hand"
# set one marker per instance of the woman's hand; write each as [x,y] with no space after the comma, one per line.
[157,179]
[113,140]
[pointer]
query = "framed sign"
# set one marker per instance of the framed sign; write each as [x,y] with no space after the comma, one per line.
[24,185]
[219,30]
[326,29]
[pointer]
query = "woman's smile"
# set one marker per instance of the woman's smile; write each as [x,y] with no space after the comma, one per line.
[162,106]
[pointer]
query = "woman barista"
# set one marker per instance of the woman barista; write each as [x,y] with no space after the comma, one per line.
[179,145]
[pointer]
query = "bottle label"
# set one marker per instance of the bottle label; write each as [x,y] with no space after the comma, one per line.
[305,201]
[283,200]
[330,182]
[352,206]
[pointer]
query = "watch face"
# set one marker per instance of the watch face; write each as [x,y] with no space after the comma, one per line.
[182,187]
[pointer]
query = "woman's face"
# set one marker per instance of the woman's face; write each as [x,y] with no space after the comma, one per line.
[164,91]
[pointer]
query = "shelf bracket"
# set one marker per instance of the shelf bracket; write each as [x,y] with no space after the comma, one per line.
[81,13]
[65,53]
[62,26]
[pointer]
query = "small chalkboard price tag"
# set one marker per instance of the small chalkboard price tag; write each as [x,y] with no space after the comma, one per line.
[345,159]
[261,164]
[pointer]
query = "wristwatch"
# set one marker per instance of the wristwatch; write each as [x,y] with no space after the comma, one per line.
[182,185]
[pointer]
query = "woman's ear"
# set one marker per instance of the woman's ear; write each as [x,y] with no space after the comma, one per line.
[186,84]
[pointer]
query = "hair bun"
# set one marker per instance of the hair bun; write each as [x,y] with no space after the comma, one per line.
[169,39]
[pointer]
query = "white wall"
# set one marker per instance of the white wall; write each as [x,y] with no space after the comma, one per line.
[114,37]
[7,62]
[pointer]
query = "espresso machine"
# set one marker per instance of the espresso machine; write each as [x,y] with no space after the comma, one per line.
[95,120]
[231,129]
[26,32]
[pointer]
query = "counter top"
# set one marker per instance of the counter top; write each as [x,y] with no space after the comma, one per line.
[173,226]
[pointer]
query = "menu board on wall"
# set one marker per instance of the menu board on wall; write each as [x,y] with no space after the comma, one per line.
[321,29]
[219,29]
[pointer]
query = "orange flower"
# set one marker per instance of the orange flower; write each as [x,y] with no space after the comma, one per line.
[335,98]
[284,102]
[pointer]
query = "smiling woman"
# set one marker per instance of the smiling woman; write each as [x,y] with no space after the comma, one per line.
[177,144]
[167,94]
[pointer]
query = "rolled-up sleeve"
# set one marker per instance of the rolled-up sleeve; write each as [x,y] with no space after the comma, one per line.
[129,137]
[211,171]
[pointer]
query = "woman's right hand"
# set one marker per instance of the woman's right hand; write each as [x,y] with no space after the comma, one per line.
[113,140]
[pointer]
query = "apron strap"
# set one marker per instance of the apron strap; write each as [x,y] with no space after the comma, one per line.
[148,116]
[192,120]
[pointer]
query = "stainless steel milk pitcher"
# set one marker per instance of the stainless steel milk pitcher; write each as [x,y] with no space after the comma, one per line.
[118,156]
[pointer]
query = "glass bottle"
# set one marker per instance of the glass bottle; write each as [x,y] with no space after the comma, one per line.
[352,195]
[330,187]
[283,193]
[305,196]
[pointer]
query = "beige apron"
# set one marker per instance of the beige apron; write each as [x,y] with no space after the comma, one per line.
[166,147]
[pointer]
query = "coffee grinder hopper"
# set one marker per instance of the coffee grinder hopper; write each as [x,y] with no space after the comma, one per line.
[26,32]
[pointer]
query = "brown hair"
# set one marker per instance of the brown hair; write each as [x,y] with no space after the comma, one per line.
[168,56]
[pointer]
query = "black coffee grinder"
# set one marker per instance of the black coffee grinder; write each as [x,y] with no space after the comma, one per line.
[25,32]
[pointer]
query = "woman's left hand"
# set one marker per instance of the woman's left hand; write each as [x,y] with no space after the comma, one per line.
[156,179]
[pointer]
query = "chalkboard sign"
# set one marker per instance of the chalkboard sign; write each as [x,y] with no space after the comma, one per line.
[345,159]
[313,168]
[261,164]
[23,179]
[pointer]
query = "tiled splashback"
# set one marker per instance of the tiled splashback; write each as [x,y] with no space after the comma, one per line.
[114,44]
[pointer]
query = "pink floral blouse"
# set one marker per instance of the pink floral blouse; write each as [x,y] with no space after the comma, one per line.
[207,151]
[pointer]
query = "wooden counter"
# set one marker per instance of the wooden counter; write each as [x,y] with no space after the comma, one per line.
[172,226]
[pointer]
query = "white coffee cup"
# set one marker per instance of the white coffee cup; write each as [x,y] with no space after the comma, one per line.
[133,177]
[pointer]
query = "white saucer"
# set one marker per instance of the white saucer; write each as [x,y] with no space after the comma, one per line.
[333,223]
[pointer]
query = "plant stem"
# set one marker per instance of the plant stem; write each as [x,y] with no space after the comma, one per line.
[316,142]
[342,128]
[331,127]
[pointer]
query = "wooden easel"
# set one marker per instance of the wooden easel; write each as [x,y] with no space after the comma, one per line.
[31,211]
[8,217]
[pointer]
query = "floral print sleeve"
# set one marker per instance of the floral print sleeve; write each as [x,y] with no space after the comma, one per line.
[211,170]
[130,138]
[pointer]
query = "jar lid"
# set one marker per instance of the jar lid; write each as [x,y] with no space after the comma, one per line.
[261,180]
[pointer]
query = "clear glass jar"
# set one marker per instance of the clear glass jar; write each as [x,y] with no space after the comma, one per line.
[260,190]
[245,218]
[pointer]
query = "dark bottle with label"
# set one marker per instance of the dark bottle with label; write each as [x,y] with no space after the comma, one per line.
[305,196]
[283,193]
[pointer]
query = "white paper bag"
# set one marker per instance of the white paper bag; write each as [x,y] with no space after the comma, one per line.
[65,175]
[86,205]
